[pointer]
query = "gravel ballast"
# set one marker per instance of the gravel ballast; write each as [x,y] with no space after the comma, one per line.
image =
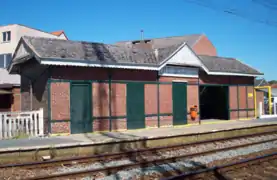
[173,153]
[188,163]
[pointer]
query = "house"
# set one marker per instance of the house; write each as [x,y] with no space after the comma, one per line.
[10,84]
[86,86]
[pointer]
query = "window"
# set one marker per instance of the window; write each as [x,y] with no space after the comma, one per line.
[6,36]
[5,60]
[179,71]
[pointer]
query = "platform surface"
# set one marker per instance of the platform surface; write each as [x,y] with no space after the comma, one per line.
[92,138]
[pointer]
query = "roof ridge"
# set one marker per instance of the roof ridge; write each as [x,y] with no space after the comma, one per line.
[219,57]
[200,34]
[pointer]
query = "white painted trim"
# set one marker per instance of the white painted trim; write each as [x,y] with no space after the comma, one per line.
[61,63]
[232,74]
[177,80]
[171,55]
[179,75]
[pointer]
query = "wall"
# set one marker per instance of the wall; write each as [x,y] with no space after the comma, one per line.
[17,31]
[241,93]
[8,47]
[34,89]
[109,104]
[60,97]
[204,47]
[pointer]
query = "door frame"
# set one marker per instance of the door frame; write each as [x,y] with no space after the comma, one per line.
[90,102]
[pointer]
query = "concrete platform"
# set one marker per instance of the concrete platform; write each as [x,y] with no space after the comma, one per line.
[97,138]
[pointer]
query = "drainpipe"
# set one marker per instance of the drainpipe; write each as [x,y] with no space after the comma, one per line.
[31,96]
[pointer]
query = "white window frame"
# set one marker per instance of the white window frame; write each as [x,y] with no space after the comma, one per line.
[179,71]
[7,38]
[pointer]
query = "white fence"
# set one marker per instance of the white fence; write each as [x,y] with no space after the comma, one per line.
[262,115]
[15,124]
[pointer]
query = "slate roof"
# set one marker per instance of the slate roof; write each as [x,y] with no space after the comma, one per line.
[96,52]
[260,82]
[107,54]
[168,41]
[223,64]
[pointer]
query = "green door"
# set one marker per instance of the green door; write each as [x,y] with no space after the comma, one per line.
[179,97]
[135,106]
[80,108]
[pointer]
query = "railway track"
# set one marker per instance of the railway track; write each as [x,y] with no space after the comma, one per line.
[137,161]
[260,167]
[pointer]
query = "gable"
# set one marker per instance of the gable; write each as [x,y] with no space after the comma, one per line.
[21,52]
[185,57]
[204,47]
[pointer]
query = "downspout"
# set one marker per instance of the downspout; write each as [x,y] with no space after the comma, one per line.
[31,95]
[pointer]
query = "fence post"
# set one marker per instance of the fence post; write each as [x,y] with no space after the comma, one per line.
[41,123]
[260,109]
[274,108]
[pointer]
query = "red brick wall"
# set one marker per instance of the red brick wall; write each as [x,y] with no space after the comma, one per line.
[204,47]
[60,96]
[215,79]
[118,105]
[151,104]
[165,96]
[233,94]
[60,107]
[192,94]
[259,98]
[250,101]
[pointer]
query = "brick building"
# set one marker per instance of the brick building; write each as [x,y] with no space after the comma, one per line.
[85,87]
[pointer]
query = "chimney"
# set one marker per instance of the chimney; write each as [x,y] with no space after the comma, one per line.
[156,52]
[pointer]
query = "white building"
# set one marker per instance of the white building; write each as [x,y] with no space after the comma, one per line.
[11,34]
[9,38]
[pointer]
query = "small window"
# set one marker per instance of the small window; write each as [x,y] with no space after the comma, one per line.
[5,60]
[8,60]
[2,60]
[6,36]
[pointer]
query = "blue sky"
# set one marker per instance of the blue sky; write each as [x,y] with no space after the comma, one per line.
[109,21]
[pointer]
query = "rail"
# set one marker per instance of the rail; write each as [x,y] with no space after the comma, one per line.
[139,163]
[217,168]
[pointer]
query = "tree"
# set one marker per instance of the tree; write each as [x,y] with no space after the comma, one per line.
[272,82]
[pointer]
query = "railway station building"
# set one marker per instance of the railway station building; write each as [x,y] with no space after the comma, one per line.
[88,87]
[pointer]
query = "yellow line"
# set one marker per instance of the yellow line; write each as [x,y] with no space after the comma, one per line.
[245,119]
[216,122]
[60,134]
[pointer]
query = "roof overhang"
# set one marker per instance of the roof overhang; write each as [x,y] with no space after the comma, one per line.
[28,52]
[4,92]
[232,74]
[82,63]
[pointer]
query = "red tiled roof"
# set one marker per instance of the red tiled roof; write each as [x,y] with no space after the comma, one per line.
[274,86]
[57,33]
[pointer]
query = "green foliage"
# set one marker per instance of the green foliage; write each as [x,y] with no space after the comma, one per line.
[272,82]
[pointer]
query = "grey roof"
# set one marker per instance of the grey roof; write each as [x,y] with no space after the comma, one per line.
[6,78]
[260,82]
[96,52]
[168,41]
[231,65]
[99,53]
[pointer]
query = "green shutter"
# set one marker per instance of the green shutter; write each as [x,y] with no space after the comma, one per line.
[80,108]
[179,97]
[135,105]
